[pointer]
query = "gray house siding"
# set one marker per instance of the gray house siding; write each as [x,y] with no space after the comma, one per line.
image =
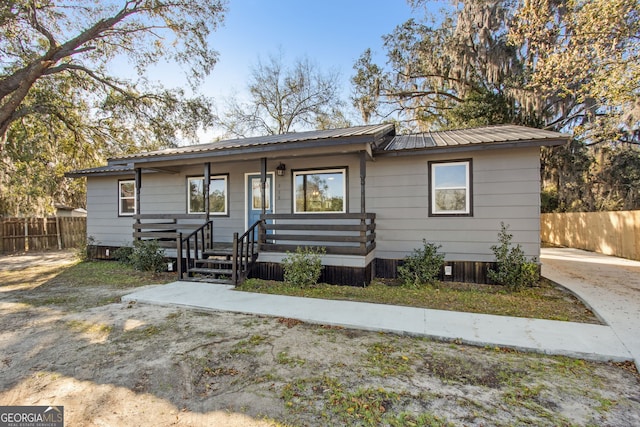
[104,226]
[506,187]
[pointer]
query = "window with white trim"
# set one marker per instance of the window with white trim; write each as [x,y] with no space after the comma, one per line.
[126,198]
[320,191]
[218,203]
[450,188]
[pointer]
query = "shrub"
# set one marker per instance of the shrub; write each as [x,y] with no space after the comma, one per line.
[89,250]
[303,267]
[146,255]
[422,267]
[514,270]
[123,254]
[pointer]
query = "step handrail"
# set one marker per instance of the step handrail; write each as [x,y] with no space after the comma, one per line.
[245,252]
[202,239]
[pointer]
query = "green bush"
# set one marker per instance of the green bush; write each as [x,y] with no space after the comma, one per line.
[422,267]
[123,254]
[303,267]
[145,255]
[514,270]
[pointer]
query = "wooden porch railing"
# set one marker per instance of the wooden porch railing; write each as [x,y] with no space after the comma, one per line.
[168,230]
[339,233]
[245,252]
[193,247]
[165,228]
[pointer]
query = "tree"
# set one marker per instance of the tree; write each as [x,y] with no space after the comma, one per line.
[366,86]
[285,99]
[435,68]
[565,65]
[41,39]
[617,177]
[59,103]
[584,60]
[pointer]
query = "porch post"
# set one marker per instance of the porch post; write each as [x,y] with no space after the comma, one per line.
[207,179]
[363,203]
[263,183]
[138,188]
[363,178]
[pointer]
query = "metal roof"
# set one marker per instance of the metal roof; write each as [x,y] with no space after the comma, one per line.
[464,139]
[475,136]
[103,170]
[371,131]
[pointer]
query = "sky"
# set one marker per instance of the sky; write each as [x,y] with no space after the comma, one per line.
[331,33]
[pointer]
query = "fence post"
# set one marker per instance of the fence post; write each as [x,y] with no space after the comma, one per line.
[58,232]
[26,234]
[2,222]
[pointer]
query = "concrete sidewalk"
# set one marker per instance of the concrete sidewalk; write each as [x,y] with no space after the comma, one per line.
[593,342]
[609,285]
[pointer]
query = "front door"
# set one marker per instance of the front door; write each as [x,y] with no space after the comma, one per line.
[254,198]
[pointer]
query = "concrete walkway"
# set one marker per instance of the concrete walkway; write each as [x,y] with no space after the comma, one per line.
[593,342]
[609,285]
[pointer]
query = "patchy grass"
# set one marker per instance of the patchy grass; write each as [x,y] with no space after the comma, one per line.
[110,274]
[248,346]
[387,358]
[60,286]
[546,301]
[283,358]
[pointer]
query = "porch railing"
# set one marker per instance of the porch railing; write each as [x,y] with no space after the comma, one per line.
[245,252]
[165,228]
[339,233]
[193,246]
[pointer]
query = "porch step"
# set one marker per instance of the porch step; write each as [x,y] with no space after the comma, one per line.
[208,280]
[214,261]
[210,271]
[219,249]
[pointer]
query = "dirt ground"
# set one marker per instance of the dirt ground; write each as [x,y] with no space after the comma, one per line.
[119,364]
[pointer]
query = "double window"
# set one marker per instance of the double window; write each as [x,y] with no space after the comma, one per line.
[126,198]
[320,191]
[450,190]
[218,202]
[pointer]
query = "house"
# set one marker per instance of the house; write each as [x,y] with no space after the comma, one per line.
[234,208]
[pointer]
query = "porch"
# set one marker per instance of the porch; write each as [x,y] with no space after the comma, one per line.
[200,256]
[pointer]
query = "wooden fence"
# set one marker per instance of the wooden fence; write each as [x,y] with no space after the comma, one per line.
[610,233]
[41,234]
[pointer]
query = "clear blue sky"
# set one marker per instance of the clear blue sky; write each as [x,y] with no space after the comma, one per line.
[331,33]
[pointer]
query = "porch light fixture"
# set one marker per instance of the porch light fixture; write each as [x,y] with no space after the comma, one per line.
[280,169]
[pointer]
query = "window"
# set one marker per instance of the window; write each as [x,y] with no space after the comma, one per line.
[217,195]
[126,198]
[256,194]
[450,191]
[320,191]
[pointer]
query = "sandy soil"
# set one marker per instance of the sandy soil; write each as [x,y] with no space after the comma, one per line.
[140,365]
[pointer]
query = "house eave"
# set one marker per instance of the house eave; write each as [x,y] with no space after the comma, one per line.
[470,147]
[269,152]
